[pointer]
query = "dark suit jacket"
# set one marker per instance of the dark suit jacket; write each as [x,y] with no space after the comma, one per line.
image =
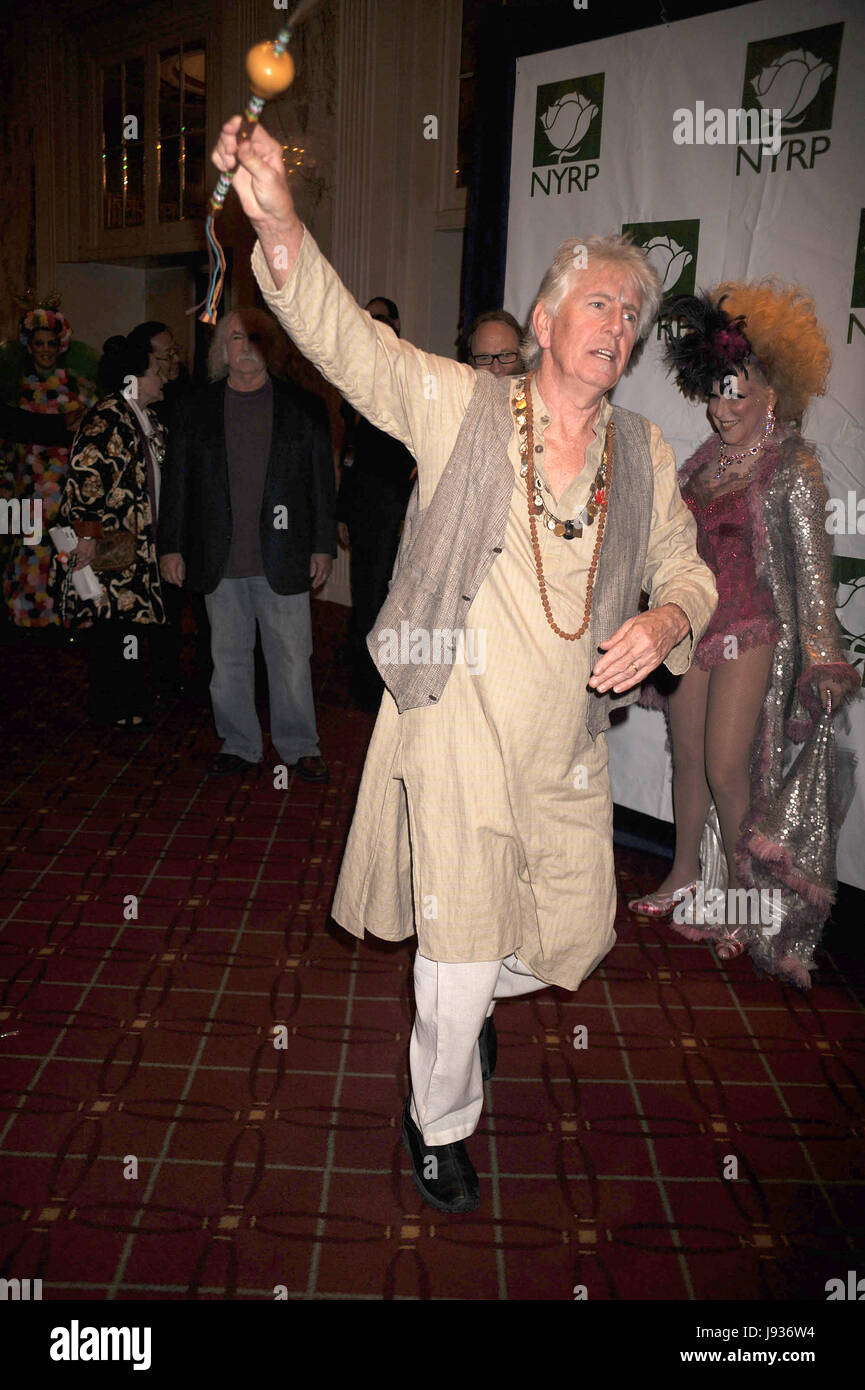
[32,427]
[375,487]
[195,505]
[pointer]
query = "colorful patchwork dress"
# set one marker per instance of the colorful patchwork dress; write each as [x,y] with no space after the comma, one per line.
[36,473]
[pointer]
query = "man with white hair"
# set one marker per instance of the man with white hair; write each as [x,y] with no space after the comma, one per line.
[484,818]
[247,518]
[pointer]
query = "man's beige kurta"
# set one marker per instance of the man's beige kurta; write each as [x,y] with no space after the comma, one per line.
[484,821]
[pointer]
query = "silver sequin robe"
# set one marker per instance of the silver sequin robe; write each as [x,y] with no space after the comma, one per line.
[788,841]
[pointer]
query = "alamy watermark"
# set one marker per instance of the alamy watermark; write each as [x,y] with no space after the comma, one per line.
[735,126]
[846,516]
[21,517]
[77,1343]
[716,907]
[20,1290]
[438,646]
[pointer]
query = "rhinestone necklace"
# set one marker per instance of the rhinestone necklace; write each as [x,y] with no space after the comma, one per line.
[725,459]
[597,505]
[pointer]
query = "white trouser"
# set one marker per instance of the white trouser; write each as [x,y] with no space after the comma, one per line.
[444,1058]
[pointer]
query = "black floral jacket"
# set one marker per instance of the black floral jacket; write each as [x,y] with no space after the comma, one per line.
[107,486]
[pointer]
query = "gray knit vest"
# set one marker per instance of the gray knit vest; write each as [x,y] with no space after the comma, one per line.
[447,549]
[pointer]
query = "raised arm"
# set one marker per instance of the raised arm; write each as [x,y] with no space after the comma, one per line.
[264,194]
[415,396]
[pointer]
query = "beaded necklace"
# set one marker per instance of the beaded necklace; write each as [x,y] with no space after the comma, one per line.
[596,506]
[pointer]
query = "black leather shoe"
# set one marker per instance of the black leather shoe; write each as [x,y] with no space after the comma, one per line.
[489,1048]
[227,764]
[444,1174]
[312,769]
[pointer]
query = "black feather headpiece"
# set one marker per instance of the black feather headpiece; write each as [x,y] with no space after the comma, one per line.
[709,347]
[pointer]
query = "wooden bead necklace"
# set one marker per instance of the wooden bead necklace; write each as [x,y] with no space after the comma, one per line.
[598,501]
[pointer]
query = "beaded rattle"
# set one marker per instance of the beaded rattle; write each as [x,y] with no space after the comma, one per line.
[270,69]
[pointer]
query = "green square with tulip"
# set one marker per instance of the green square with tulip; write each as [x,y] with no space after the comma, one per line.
[672,248]
[858,300]
[568,119]
[795,74]
[849,576]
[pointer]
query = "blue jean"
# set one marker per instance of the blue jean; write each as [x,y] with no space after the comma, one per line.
[286,639]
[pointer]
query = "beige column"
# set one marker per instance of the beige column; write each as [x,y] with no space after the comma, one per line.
[398,66]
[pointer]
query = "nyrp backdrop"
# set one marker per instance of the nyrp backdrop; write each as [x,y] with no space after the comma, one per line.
[597,149]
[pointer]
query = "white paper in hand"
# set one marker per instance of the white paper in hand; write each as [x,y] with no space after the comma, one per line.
[84,581]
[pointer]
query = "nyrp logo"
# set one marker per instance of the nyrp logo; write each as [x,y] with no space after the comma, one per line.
[849,576]
[794,74]
[567,134]
[671,247]
[857,300]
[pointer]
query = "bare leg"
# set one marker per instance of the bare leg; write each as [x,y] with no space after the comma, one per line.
[691,795]
[737,692]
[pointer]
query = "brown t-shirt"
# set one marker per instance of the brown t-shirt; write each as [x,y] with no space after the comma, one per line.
[248,431]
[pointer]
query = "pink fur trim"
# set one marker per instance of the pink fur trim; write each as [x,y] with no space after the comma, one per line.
[782,864]
[797,730]
[742,856]
[763,474]
[796,973]
[651,698]
[759,633]
[703,454]
[693,933]
[826,670]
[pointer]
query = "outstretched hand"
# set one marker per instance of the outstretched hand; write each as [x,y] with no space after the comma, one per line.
[637,647]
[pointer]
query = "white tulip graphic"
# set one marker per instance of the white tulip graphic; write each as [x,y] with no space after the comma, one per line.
[567,121]
[668,258]
[791,84]
[850,607]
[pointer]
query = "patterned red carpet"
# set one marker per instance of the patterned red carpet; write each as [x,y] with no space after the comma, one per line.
[706,1143]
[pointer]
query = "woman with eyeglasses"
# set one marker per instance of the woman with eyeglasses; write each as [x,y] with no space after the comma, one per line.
[167,363]
[36,472]
[112,495]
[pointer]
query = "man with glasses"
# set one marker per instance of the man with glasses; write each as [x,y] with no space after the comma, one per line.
[494,343]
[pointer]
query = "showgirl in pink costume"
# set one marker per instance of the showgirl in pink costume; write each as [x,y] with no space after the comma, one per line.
[771,659]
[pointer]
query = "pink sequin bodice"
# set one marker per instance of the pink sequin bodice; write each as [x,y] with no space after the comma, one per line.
[725,540]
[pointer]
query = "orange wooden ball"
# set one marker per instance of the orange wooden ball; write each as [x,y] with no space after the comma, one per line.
[268,74]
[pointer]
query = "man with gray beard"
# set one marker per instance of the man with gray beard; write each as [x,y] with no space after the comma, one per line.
[247,519]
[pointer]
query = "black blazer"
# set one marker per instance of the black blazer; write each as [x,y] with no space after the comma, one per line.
[32,427]
[195,505]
